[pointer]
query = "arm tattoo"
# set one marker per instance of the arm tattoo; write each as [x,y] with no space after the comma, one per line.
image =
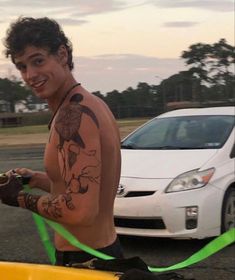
[29,201]
[68,122]
[67,125]
[73,152]
[52,205]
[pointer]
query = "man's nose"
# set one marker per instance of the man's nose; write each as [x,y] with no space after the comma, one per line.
[31,73]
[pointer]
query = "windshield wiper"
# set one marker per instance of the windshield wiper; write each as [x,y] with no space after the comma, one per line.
[166,147]
[127,146]
[178,148]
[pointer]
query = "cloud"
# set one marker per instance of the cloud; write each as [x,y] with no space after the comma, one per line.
[73,8]
[213,5]
[69,12]
[105,73]
[108,72]
[180,24]
[81,5]
[70,21]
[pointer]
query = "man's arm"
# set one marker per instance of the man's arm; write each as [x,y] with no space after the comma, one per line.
[37,180]
[79,155]
[11,185]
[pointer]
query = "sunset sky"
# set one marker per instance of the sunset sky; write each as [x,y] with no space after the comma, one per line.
[118,43]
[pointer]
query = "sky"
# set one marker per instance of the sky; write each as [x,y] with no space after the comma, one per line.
[119,43]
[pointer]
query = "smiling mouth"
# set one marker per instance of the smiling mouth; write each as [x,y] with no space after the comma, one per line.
[38,84]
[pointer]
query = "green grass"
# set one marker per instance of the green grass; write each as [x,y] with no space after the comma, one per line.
[24,130]
[131,122]
[43,128]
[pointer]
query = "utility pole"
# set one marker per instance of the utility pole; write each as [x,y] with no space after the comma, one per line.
[163,92]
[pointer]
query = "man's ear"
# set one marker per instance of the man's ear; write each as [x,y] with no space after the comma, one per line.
[63,55]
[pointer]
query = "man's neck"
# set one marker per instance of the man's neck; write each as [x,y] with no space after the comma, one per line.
[57,98]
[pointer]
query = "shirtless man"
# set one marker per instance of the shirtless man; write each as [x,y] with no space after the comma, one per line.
[82,157]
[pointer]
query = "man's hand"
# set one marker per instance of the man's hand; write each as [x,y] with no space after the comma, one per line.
[9,189]
[26,175]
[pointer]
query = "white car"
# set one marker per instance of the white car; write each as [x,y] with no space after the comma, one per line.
[177,176]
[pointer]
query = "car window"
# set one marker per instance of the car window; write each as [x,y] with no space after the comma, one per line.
[186,132]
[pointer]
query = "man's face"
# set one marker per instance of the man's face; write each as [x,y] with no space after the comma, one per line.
[44,73]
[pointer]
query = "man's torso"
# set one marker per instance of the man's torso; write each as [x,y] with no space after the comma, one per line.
[101,232]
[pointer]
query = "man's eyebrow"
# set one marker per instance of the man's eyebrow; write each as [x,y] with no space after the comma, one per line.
[19,64]
[34,55]
[29,57]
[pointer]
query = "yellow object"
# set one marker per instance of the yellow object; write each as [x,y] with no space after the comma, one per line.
[24,271]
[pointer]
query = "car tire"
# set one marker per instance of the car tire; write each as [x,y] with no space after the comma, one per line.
[228,210]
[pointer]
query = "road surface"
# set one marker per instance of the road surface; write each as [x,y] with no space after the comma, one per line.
[19,240]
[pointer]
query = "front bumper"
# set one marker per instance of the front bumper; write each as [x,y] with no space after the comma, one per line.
[164,214]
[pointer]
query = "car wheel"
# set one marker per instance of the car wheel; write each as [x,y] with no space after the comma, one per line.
[228,210]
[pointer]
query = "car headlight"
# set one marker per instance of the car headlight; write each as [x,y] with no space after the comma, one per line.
[193,179]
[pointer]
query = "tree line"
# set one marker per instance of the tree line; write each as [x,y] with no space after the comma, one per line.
[210,77]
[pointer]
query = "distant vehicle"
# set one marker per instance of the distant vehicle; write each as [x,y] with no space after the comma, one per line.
[177,176]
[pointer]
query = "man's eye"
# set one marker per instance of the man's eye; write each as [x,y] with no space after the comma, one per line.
[21,68]
[38,61]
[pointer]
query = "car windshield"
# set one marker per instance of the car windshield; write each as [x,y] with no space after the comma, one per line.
[184,132]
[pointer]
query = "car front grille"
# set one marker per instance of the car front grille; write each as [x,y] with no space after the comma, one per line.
[156,223]
[139,193]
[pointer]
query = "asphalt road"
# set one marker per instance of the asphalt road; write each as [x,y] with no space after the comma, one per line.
[19,240]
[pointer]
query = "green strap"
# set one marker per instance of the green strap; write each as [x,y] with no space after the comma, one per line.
[73,240]
[211,248]
[43,233]
[45,237]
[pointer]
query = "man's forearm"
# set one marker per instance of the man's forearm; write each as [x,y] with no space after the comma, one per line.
[28,201]
[58,208]
[45,205]
[41,181]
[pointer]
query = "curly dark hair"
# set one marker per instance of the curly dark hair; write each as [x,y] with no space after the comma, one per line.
[38,32]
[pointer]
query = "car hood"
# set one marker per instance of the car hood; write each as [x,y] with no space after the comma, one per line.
[162,163]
